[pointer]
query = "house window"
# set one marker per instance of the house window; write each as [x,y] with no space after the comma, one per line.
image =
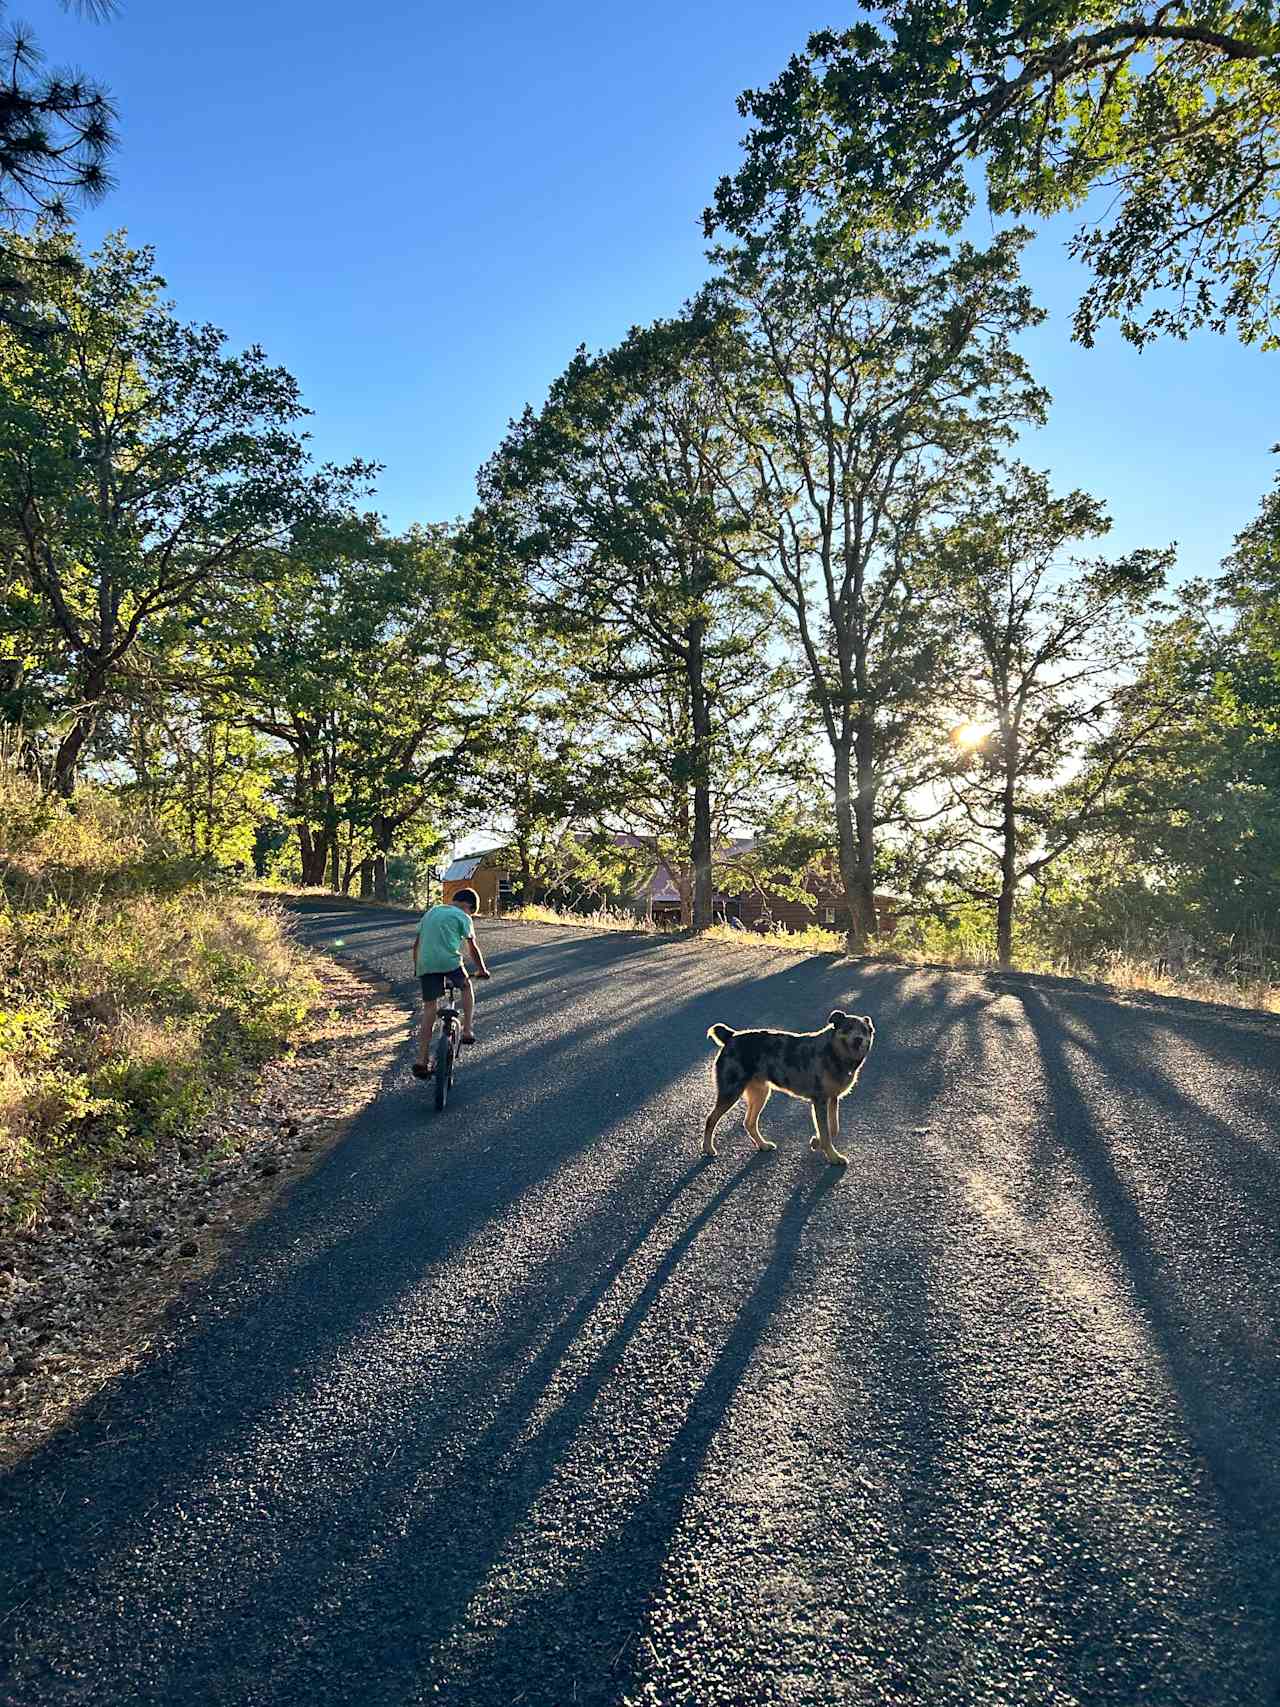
[828,915]
[504,885]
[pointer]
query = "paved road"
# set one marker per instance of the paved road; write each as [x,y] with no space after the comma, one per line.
[521,1404]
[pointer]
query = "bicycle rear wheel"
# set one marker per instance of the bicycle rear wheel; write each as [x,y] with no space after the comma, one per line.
[444,1066]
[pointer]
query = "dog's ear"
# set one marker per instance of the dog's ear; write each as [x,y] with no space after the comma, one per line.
[836,1015]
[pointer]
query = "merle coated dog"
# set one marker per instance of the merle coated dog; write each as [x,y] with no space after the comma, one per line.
[818,1066]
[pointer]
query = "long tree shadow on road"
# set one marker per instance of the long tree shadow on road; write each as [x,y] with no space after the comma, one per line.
[576,1640]
[467,1522]
[1232,1423]
[606,1601]
[157,1435]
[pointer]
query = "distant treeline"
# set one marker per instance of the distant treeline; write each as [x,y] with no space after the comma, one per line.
[768,565]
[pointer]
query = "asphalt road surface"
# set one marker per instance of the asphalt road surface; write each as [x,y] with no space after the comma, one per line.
[523,1404]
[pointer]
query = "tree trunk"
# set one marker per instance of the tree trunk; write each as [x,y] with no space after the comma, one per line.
[1008,875]
[210,788]
[526,875]
[67,762]
[1004,928]
[314,852]
[855,836]
[382,832]
[864,816]
[684,888]
[366,879]
[142,758]
[700,716]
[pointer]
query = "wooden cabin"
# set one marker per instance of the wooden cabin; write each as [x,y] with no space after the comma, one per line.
[486,873]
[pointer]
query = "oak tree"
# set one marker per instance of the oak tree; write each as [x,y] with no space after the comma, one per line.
[146,473]
[883,378]
[1160,118]
[1049,649]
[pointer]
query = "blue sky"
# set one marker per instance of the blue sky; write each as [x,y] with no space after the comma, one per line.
[421,210]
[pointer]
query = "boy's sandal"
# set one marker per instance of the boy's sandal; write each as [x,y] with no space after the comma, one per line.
[421,1072]
[472,1039]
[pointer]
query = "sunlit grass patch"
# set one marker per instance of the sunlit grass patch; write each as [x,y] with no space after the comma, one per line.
[132,994]
[814,939]
[969,946]
[602,920]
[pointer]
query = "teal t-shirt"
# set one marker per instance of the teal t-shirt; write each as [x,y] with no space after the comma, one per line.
[441,934]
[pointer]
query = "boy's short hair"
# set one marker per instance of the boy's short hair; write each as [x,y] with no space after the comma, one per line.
[465,898]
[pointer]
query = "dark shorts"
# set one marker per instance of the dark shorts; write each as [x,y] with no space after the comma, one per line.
[433,983]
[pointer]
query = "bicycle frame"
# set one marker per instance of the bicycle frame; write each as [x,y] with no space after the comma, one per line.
[448,1040]
[449,1006]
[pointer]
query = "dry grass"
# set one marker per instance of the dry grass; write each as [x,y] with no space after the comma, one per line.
[1127,972]
[84,1293]
[131,993]
[1115,970]
[1180,975]
[813,940]
[603,920]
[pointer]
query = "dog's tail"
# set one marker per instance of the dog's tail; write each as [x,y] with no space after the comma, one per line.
[721,1034]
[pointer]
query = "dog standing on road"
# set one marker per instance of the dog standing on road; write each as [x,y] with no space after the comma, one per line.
[817,1066]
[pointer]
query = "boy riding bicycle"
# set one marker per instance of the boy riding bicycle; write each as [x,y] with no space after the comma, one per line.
[437,959]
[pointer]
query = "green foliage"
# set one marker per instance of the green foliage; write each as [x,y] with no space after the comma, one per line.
[616,503]
[882,379]
[200,776]
[378,667]
[1047,649]
[956,930]
[145,475]
[1199,819]
[791,851]
[126,1006]
[1170,111]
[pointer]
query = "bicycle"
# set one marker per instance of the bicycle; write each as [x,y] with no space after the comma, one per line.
[448,1041]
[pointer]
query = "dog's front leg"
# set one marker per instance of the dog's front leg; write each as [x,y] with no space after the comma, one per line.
[822,1140]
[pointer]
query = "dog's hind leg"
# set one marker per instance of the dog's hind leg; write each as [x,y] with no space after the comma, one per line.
[757,1095]
[822,1137]
[723,1105]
